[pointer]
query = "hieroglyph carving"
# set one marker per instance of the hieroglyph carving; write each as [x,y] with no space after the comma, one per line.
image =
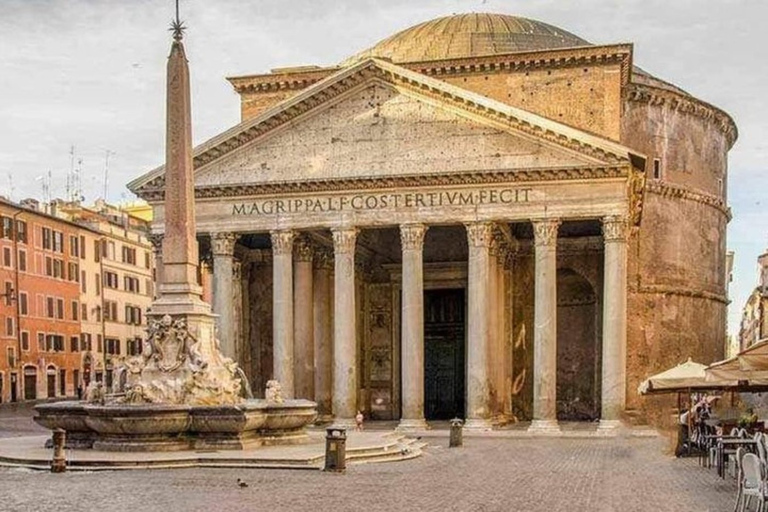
[545,231]
[412,236]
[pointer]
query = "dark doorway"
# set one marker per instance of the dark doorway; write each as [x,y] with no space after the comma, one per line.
[444,354]
[30,383]
[51,374]
[14,387]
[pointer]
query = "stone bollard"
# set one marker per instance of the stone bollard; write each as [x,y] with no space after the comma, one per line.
[335,450]
[59,462]
[457,437]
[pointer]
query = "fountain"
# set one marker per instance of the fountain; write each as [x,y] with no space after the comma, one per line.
[182,393]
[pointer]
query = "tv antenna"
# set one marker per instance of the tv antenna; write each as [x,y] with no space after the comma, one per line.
[107,154]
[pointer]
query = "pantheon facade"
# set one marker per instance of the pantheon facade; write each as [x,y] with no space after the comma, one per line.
[482,216]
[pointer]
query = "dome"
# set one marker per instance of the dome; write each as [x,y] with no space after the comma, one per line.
[469,35]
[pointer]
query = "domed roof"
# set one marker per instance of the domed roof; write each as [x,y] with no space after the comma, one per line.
[469,35]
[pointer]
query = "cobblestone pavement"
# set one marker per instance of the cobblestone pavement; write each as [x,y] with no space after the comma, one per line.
[623,474]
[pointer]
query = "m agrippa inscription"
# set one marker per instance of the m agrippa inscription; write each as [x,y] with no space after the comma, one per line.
[384,201]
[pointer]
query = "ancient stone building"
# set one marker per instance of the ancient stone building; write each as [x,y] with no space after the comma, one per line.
[481,216]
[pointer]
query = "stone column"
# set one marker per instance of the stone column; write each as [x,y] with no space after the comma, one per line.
[412,357]
[344,328]
[545,328]
[478,410]
[237,310]
[615,234]
[303,322]
[322,308]
[156,239]
[222,248]
[282,315]
[500,344]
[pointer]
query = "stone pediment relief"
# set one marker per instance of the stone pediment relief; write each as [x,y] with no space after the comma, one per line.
[379,132]
[380,120]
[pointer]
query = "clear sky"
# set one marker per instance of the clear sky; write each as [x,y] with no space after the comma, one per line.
[90,74]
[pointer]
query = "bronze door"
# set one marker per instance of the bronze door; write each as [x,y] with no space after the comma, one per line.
[444,354]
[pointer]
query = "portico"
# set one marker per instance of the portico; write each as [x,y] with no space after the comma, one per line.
[341,253]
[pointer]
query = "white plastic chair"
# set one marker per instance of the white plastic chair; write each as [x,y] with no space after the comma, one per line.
[750,483]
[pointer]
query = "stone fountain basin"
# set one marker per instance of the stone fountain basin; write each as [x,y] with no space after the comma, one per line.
[152,427]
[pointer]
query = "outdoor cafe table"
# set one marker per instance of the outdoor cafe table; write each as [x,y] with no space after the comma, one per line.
[725,442]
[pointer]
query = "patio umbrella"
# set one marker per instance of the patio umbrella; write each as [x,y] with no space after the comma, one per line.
[683,377]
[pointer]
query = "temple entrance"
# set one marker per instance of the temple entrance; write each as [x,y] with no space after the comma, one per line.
[578,349]
[444,373]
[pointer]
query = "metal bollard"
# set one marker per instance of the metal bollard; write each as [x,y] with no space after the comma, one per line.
[59,462]
[457,437]
[335,450]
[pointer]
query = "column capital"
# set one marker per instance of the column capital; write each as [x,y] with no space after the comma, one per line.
[344,240]
[412,236]
[303,250]
[545,231]
[479,234]
[282,241]
[156,239]
[223,244]
[615,229]
[323,258]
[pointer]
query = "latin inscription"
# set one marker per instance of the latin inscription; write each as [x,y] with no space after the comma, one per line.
[381,201]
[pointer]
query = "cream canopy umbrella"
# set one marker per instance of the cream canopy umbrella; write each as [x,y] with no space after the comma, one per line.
[683,377]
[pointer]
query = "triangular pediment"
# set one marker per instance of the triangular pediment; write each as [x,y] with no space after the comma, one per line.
[378,120]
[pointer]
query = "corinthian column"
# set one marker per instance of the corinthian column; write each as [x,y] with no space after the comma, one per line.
[303,323]
[615,233]
[412,358]
[478,410]
[223,248]
[344,328]
[322,306]
[545,328]
[282,312]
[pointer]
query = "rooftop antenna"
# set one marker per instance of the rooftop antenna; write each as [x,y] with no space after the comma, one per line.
[10,186]
[107,154]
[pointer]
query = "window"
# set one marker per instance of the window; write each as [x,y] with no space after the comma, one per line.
[49,307]
[8,293]
[96,251]
[84,312]
[110,251]
[58,268]
[74,246]
[74,344]
[99,343]
[131,284]
[7,257]
[23,303]
[49,266]
[129,255]
[25,341]
[656,168]
[7,227]
[113,346]
[75,311]
[21,231]
[110,311]
[98,313]
[86,341]
[110,280]
[54,343]
[146,259]
[60,309]
[134,347]
[9,330]
[133,315]
[58,241]
[40,341]
[74,271]
[98,284]
[22,261]
[47,238]
[82,247]
[11,357]
[83,286]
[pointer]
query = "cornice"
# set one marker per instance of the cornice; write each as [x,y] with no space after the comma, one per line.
[669,191]
[401,182]
[661,289]
[275,82]
[641,93]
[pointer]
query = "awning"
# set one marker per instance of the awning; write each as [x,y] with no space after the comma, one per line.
[683,377]
[755,357]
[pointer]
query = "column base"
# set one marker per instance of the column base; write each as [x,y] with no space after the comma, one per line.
[323,419]
[411,425]
[609,427]
[345,423]
[544,427]
[478,425]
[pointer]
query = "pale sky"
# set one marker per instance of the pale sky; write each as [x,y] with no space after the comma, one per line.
[90,74]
